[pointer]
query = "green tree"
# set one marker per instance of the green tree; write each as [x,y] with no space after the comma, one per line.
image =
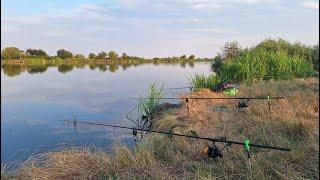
[36,52]
[102,55]
[112,55]
[79,56]
[315,57]
[124,56]
[63,54]
[192,57]
[10,53]
[92,56]
[22,54]
[183,57]
[273,45]
[231,50]
[217,64]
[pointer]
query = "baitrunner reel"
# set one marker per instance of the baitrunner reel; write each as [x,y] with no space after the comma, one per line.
[214,151]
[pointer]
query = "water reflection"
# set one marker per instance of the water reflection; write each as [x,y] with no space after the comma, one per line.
[37,69]
[12,70]
[67,66]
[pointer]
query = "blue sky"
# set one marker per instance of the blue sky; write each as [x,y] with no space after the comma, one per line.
[155,27]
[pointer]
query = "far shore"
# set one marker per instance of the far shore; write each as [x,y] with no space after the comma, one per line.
[97,61]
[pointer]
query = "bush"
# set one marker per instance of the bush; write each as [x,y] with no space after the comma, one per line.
[63,54]
[216,64]
[10,53]
[261,63]
[92,56]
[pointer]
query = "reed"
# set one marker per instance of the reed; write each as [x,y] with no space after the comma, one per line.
[199,81]
[148,106]
[258,64]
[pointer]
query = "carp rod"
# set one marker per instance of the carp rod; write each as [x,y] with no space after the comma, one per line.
[171,134]
[241,104]
[244,98]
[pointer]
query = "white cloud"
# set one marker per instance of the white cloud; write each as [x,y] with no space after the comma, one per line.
[209,30]
[254,1]
[311,4]
[171,4]
[92,7]
[204,5]
[54,33]
[80,14]
[97,28]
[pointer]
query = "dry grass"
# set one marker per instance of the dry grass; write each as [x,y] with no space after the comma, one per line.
[294,124]
[68,164]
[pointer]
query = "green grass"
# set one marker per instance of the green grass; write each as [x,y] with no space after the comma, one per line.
[258,64]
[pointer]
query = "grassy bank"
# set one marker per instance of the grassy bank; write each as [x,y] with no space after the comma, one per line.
[294,124]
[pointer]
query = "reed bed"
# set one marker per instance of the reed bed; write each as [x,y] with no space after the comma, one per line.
[200,81]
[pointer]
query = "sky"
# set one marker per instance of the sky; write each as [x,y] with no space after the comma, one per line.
[153,28]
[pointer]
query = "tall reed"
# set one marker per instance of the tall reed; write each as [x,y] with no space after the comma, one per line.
[148,106]
[261,63]
[199,81]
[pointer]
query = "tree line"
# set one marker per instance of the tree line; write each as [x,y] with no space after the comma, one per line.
[15,53]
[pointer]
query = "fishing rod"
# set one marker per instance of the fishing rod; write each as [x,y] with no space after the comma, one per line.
[241,104]
[252,98]
[221,86]
[187,87]
[215,151]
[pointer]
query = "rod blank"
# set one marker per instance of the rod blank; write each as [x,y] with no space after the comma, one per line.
[258,98]
[188,136]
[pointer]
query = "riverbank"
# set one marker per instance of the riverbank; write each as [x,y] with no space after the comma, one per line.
[294,124]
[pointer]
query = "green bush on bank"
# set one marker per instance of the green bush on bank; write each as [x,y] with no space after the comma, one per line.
[259,64]
[271,58]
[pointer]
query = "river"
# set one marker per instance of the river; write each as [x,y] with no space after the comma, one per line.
[34,102]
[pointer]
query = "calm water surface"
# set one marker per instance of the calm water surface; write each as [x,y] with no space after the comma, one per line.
[33,103]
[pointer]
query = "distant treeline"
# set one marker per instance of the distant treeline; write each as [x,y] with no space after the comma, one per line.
[13,53]
[36,66]
[274,58]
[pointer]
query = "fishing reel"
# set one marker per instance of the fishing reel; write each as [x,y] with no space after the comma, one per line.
[214,151]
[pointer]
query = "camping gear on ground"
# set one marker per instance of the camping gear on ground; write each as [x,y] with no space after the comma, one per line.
[230,91]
